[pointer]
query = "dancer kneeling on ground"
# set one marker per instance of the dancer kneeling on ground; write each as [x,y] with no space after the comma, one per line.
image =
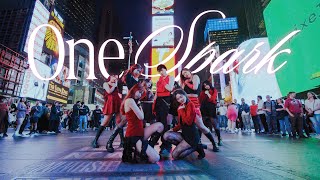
[188,140]
[136,147]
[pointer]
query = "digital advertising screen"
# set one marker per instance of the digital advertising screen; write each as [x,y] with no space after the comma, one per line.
[249,86]
[51,41]
[302,71]
[162,6]
[40,16]
[57,92]
[33,87]
[158,55]
[62,77]
[165,38]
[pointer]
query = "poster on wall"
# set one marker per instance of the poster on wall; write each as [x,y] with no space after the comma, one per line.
[249,86]
[302,72]
[33,87]
[57,92]
[40,16]
[162,6]
[165,38]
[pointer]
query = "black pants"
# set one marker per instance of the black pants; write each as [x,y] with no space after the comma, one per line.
[256,124]
[54,125]
[96,122]
[264,122]
[24,124]
[74,123]
[296,124]
[162,110]
[239,124]
[43,124]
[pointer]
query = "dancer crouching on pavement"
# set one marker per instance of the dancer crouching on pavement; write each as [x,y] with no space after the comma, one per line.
[111,105]
[165,85]
[208,99]
[190,83]
[136,135]
[188,140]
[131,78]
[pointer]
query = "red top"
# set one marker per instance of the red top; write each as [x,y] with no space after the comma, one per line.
[293,105]
[4,107]
[187,114]
[135,125]
[254,110]
[203,97]
[161,90]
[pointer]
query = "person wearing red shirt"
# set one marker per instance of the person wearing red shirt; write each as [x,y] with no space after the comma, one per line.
[190,83]
[165,85]
[111,106]
[208,101]
[188,140]
[255,117]
[295,110]
[136,137]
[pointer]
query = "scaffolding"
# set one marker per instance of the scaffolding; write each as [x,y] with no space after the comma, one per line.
[12,68]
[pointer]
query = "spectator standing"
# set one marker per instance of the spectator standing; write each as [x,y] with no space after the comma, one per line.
[270,108]
[83,117]
[262,115]
[37,113]
[244,110]
[255,117]
[4,116]
[223,115]
[97,117]
[21,114]
[283,117]
[75,117]
[312,106]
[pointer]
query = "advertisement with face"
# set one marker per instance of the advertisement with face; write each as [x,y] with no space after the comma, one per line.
[249,86]
[32,86]
[165,38]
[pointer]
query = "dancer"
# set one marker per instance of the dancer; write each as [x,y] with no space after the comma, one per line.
[165,85]
[208,100]
[21,114]
[188,140]
[190,83]
[111,105]
[147,102]
[131,78]
[136,148]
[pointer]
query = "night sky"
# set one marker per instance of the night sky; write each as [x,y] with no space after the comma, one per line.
[136,16]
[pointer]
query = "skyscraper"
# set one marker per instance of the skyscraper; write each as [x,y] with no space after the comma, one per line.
[79,16]
[224,32]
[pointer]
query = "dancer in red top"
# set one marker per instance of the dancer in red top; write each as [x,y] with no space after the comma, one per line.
[208,101]
[136,135]
[111,105]
[188,140]
[165,85]
[130,78]
[190,83]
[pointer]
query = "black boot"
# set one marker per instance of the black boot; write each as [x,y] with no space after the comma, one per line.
[201,152]
[121,134]
[109,146]
[219,136]
[200,134]
[214,146]
[128,151]
[94,143]
[154,139]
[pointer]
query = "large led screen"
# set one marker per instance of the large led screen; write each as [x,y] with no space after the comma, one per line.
[162,6]
[165,38]
[33,87]
[158,55]
[302,71]
[249,86]
[40,16]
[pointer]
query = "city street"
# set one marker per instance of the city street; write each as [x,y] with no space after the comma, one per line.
[69,156]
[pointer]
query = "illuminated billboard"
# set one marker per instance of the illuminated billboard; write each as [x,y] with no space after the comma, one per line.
[57,92]
[165,38]
[302,71]
[51,41]
[33,87]
[162,6]
[249,86]
[40,16]
[158,55]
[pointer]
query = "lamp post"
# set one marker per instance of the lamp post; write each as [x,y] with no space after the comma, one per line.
[130,38]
